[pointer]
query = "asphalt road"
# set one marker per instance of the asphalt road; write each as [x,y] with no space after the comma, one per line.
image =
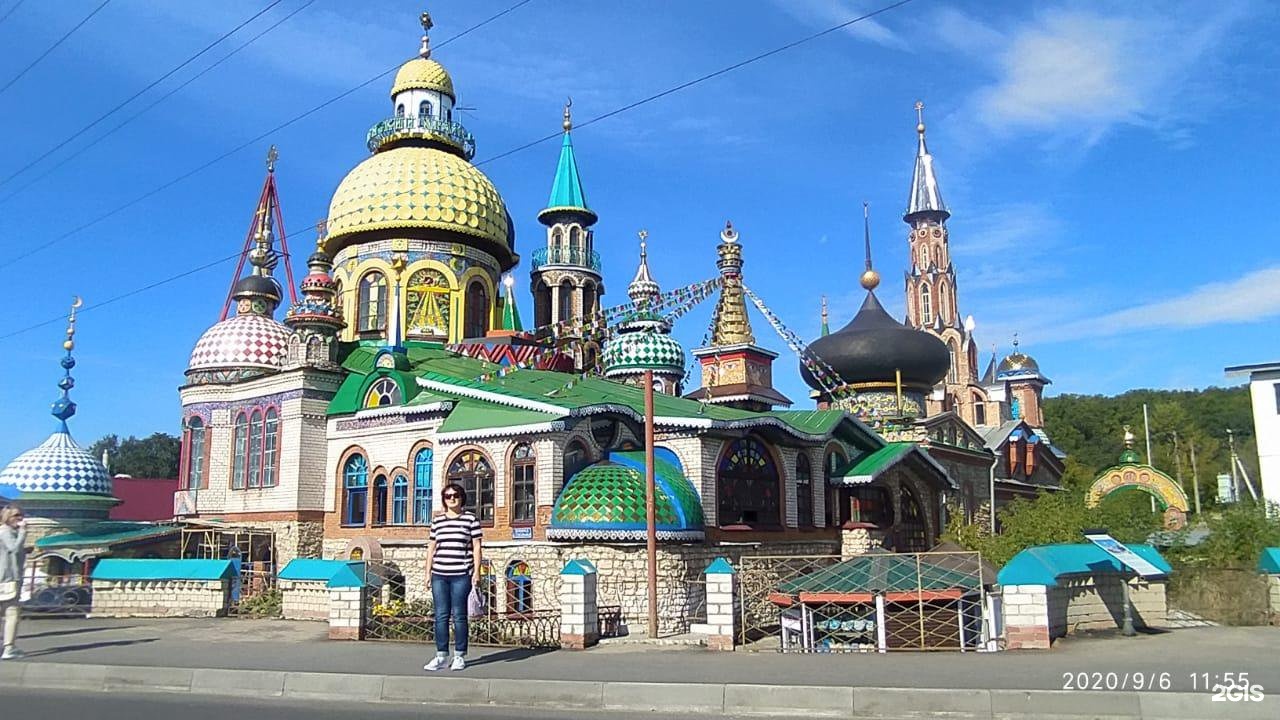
[22,703]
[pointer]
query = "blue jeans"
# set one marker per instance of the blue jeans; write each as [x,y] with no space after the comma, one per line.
[449,595]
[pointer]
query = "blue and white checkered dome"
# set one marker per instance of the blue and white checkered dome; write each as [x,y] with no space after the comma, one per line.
[57,465]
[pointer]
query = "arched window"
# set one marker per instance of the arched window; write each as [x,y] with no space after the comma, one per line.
[575,246]
[240,450]
[804,492]
[557,245]
[926,305]
[400,110]
[400,500]
[472,471]
[747,483]
[943,305]
[979,411]
[488,586]
[270,448]
[371,316]
[425,109]
[422,486]
[195,453]
[523,499]
[355,481]
[566,301]
[519,588]
[953,375]
[912,531]
[588,298]
[575,460]
[382,393]
[541,303]
[832,465]
[380,500]
[477,313]
[255,449]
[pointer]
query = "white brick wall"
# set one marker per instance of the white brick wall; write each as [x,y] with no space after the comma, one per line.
[160,598]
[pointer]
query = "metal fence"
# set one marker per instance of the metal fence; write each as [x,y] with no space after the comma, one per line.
[1231,596]
[869,603]
[391,617]
[67,596]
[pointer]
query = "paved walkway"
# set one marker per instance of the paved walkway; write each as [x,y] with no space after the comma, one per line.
[193,653]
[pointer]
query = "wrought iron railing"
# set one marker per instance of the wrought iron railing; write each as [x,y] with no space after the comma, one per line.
[396,128]
[570,256]
[415,622]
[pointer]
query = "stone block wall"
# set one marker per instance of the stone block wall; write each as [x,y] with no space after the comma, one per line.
[347,607]
[1273,593]
[304,600]
[160,598]
[1096,602]
[1026,617]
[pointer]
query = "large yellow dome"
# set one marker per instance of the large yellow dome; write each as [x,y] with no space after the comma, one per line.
[423,74]
[418,187]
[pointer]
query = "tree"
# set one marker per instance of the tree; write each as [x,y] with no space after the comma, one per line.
[155,456]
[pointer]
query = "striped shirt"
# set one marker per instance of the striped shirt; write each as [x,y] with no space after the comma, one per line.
[451,538]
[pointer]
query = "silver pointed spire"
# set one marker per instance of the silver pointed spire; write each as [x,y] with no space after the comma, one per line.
[926,196]
[643,286]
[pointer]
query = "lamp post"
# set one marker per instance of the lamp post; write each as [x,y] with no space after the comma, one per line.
[651,535]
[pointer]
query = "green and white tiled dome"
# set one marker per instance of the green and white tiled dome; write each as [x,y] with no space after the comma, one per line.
[606,501]
[640,350]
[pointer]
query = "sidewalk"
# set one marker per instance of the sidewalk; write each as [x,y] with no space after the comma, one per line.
[294,658]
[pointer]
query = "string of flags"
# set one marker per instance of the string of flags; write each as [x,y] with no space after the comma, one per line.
[821,371]
[598,325]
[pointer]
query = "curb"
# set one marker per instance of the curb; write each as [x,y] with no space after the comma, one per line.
[677,698]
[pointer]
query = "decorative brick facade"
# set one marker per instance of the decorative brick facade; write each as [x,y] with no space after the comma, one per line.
[160,598]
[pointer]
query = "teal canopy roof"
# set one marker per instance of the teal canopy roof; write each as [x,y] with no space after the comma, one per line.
[887,572]
[106,534]
[566,188]
[315,569]
[1044,564]
[1270,561]
[606,501]
[131,569]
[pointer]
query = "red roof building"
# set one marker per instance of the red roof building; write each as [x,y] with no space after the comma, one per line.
[143,499]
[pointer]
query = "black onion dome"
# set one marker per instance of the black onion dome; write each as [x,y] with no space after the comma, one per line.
[259,285]
[874,345]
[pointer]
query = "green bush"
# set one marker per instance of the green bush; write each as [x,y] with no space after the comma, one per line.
[1237,535]
[265,604]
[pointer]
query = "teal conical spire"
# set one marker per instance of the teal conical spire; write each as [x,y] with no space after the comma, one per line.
[566,188]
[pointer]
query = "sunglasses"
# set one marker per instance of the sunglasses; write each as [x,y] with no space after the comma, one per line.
[451,496]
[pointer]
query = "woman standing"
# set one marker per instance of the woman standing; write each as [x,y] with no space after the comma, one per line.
[453,564]
[13,536]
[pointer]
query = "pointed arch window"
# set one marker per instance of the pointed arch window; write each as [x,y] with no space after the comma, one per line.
[747,486]
[472,470]
[926,305]
[943,305]
[422,486]
[240,450]
[953,374]
[371,315]
[575,246]
[425,109]
[523,499]
[804,491]
[400,500]
[380,500]
[566,301]
[195,453]
[588,298]
[831,466]
[477,312]
[355,482]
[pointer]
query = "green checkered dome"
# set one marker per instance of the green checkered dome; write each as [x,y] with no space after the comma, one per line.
[606,501]
[642,350]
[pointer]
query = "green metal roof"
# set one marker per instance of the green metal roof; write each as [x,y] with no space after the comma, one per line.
[566,188]
[883,572]
[137,569]
[869,467]
[106,534]
[478,414]
[1044,564]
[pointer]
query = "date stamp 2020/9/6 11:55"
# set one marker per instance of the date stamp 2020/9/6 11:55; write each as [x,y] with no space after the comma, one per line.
[1225,686]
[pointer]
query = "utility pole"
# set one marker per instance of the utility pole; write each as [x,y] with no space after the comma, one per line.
[1195,475]
[1235,479]
[650,519]
[1177,458]
[1146,426]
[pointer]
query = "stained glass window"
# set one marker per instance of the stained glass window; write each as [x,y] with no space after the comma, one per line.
[372,311]
[472,471]
[427,304]
[912,532]
[422,486]
[382,393]
[748,486]
[519,587]
[355,480]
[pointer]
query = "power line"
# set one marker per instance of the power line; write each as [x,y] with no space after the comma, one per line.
[242,146]
[52,47]
[96,142]
[10,12]
[131,98]
[499,156]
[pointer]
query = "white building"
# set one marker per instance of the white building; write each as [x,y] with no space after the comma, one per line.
[1264,386]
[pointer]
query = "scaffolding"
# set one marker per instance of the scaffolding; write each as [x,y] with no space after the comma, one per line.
[252,548]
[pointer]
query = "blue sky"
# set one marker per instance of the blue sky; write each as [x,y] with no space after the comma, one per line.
[1109,167]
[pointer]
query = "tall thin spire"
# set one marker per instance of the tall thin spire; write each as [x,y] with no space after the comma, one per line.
[510,313]
[825,329]
[732,326]
[424,51]
[870,278]
[643,286]
[566,187]
[259,250]
[926,196]
[63,408]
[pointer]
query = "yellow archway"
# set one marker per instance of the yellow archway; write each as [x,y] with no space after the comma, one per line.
[1163,488]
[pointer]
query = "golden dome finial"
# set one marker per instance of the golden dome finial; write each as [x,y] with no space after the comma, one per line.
[920,117]
[425,50]
[320,233]
[69,344]
[729,235]
[870,279]
[568,119]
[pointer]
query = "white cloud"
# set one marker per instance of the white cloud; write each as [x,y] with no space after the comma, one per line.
[825,13]
[1249,298]
[1077,74]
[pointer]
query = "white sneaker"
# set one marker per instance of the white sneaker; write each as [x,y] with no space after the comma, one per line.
[459,663]
[12,653]
[437,663]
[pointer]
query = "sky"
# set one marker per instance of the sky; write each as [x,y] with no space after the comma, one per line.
[1105,163]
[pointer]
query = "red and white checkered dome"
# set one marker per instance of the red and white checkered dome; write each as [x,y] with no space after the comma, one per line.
[241,341]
